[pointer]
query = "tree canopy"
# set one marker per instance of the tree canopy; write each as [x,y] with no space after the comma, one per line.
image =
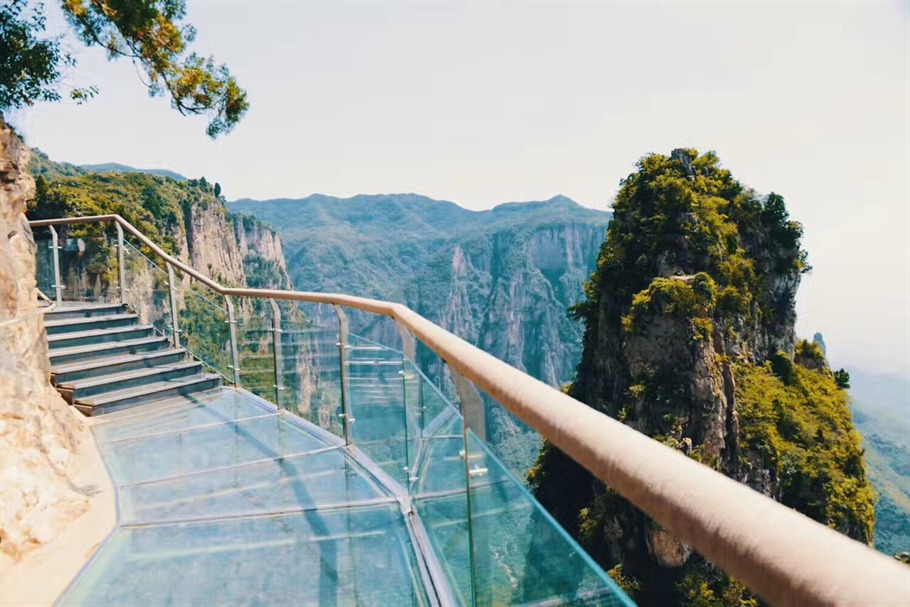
[151,33]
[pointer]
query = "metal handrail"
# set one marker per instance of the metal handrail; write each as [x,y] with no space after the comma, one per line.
[780,554]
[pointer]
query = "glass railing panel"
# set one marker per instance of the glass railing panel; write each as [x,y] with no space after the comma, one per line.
[146,290]
[521,555]
[310,363]
[44,261]
[88,268]
[376,387]
[256,353]
[204,328]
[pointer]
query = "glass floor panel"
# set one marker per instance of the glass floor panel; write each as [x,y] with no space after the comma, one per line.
[177,415]
[205,447]
[303,482]
[350,556]
[224,501]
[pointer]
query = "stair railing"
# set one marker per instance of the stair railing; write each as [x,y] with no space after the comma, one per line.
[778,553]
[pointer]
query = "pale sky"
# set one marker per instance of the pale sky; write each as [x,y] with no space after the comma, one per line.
[483,103]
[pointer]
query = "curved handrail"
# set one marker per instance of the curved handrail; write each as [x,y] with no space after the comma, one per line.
[782,555]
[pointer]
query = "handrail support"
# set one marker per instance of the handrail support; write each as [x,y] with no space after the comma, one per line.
[172,295]
[346,418]
[55,247]
[232,335]
[276,351]
[121,263]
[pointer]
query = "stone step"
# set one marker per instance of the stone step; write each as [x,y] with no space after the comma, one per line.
[89,352]
[89,323]
[105,365]
[84,310]
[129,397]
[85,338]
[83,388]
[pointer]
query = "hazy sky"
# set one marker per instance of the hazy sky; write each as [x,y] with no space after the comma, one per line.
[482,103]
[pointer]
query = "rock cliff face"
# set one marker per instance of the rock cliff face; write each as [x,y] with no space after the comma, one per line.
[184,217]
[508,292]
[501,279]
[38,437]
[689,338]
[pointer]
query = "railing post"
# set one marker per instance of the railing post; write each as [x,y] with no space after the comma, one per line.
[232,329]
[172,294]
[276,351]
[409,354]
[346,418]
[121,264]
[58,288]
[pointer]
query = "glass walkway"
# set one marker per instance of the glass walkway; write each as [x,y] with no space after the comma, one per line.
[223,499]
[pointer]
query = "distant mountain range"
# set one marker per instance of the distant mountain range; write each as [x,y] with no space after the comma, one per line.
[42,165]
[881,412]
[501,278]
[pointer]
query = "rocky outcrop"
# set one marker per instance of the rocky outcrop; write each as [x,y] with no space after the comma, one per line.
[38,431]
[693,294]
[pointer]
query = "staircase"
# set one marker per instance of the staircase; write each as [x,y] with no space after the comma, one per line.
[103,359]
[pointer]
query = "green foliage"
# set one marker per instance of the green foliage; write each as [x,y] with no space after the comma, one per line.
[147,32]
[801,430]
[152,204]
[29,65]
[629,584]
[810,355]
[42,166]
[842,379]
[782,366]
[262,273]
[675,297]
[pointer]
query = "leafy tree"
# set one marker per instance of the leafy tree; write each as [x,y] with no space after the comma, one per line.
[842,379]
[148,32]
[26,62]
[217,190]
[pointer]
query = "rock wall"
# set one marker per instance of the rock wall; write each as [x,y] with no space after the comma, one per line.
[509,292]
[38,431]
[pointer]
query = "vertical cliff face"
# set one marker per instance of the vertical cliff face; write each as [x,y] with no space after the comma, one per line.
[509,291]
[38,433]
[185,217]
[689,338]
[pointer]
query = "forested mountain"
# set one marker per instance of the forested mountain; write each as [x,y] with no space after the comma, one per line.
[502,279]
[689,338]
[40,164]
[186,218]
